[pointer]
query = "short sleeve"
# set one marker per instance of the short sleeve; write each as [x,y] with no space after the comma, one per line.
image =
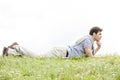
[87,43]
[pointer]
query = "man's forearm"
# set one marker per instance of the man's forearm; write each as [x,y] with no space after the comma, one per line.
[96,50]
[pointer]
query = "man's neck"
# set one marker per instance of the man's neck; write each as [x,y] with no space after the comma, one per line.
[92,37]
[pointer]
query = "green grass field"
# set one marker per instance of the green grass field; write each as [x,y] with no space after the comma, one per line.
[26,68]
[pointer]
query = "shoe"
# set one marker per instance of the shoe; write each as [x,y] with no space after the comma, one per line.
[5,51]
[12,45]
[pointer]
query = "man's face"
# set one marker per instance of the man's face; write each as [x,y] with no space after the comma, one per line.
[98,36]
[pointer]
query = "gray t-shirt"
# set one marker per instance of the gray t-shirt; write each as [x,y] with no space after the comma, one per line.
[79,48]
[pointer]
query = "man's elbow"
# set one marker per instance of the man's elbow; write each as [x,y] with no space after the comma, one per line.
[90,55]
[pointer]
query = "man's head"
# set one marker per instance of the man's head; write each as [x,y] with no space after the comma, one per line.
[96,33]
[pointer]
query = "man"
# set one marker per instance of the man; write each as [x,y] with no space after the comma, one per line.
[83,47]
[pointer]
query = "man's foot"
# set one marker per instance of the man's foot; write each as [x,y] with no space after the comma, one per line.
[5,51]
[12,45]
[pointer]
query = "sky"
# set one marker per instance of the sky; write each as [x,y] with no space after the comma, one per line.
[40,25]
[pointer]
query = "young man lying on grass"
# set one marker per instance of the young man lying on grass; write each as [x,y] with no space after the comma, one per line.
[83,47]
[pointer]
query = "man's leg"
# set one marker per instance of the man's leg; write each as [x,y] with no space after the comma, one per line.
[5,51]
[55,52]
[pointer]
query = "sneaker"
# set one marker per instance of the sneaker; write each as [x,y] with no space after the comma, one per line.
[12,45]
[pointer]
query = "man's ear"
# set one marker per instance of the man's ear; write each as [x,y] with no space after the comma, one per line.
[94,34]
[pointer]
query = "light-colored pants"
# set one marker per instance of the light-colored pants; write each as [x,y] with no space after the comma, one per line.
[55,52]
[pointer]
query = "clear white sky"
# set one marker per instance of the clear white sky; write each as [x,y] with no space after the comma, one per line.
[42,24]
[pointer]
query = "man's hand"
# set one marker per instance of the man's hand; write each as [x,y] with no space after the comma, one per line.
[98,44]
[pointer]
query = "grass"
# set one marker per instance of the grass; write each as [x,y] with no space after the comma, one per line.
[26,68]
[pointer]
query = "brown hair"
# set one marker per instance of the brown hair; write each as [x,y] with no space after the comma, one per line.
[95,29]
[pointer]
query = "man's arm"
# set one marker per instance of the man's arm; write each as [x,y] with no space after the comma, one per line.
[88,52]
[98,47]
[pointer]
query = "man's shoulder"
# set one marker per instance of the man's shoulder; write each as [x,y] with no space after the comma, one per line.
[87,40]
